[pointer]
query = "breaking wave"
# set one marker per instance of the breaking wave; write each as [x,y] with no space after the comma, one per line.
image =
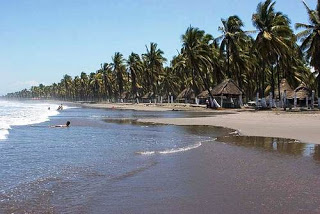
[20,113]
[174,150]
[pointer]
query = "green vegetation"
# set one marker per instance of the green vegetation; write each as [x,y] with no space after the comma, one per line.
[256,60]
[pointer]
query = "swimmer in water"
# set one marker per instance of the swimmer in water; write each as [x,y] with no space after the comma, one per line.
[62,126]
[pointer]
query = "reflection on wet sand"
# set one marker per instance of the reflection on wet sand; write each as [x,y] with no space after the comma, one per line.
[279,145]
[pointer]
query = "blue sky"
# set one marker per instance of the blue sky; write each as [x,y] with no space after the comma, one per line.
[41,40]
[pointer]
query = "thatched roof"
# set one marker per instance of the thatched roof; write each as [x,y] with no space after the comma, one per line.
[203,94]
[187,93]
[302,91]
[227,87]
[284,85]
[148,95]
[125,95]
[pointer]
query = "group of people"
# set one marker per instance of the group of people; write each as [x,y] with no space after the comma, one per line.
[60,107]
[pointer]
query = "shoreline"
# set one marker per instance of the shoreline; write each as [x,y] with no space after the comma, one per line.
[301,126]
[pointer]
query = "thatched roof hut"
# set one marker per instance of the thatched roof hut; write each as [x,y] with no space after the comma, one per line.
[148,95]
[125,95]
[203,95]
[302,91]
[227,88]
[187,93]
[284,85]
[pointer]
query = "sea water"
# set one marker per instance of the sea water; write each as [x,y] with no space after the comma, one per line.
[14,113]
[108,162]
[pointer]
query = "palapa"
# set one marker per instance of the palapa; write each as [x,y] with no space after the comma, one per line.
[302,91]
[203,95]
[227,87]
[284,86]
[187,93]
[125,95]
[148,95]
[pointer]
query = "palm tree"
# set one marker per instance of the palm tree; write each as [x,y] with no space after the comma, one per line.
[77,87]
[310,38]
[118,69]
[169,82]
[196,53]
[107,76]
[135,66]
[154,60]
[84,86]
[67,82]
[232,36]
[274,35]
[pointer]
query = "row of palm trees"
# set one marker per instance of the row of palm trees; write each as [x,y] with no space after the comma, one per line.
[257,60]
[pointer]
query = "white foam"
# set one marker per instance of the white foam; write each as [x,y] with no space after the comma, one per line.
[23,113]
[234,133]
[171,151]
[146,153]
[3,134]
[175,150]
[183,149]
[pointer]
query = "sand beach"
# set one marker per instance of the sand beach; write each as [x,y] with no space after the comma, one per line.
[302,126]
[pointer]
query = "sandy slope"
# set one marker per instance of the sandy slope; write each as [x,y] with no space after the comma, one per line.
[301,126]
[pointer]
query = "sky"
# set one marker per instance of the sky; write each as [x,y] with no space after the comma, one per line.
[41,40]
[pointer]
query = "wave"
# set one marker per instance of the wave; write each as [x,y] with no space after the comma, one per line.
[3,134]
[174,150]
[236,133]
[23,113]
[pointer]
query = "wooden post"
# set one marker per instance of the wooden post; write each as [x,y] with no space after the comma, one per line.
[312,100]
[240,100]
[211,102]
[270,100]
[257,99]
[221,97]
[171,99]
[307,101]
[295,100]
[285,100]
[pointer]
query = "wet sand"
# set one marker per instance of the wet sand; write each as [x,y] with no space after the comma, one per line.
[301,126]
[148,106]
[103,164]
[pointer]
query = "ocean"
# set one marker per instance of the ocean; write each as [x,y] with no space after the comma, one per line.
[107,162]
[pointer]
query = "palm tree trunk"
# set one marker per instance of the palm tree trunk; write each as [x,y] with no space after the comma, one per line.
[278,69]
[263,78]
[228,60]
[203,80]
[194,85]
[318,78]
[272,82]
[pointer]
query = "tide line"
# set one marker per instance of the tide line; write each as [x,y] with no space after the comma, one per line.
[174,150]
